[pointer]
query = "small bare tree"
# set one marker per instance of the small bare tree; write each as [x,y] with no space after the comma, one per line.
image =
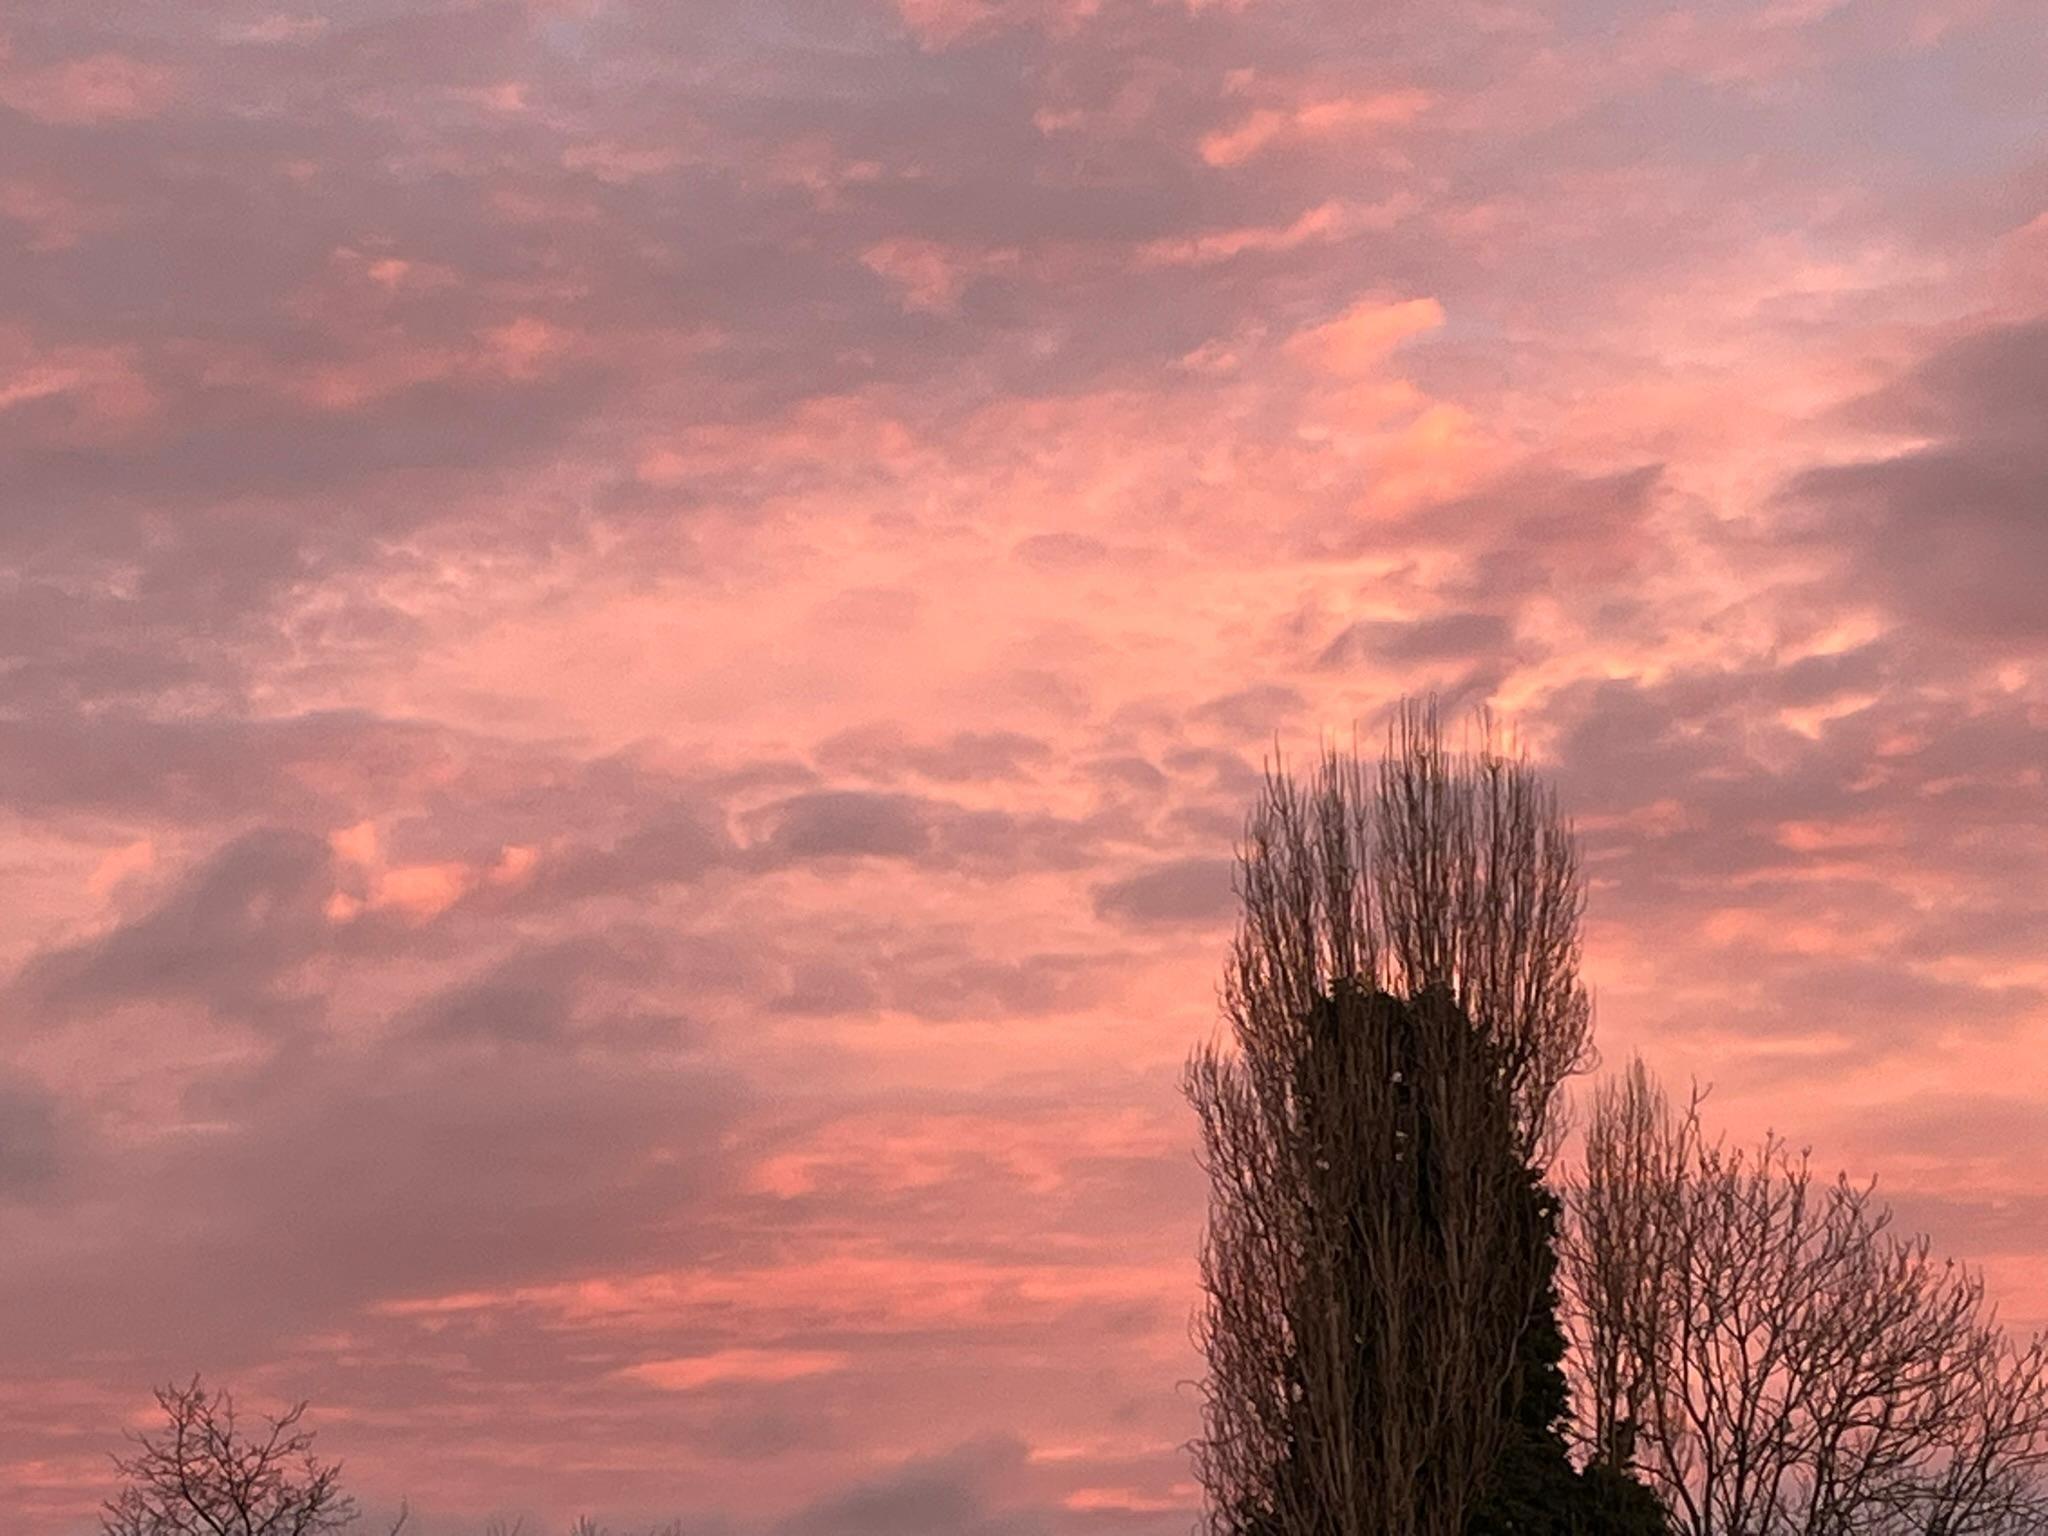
[1773,1359]
[204,1475]
[1403,999]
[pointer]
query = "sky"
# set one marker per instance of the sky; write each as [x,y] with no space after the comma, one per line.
[635,635]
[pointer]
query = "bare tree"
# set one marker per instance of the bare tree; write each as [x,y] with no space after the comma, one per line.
[204,1475]
[1403,1000]
[1773,1359]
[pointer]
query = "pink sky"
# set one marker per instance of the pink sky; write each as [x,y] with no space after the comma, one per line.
[635,634]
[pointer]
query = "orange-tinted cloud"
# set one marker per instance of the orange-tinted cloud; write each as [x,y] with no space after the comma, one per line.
[1327,117]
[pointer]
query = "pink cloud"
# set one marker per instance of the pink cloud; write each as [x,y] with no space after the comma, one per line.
[1331,220]
[96,392]
[53,215]
[1326,117]
[636,638]
[940,24]
[98,88]
[1358,340]
[696,1372]
[280,27]
[931,276]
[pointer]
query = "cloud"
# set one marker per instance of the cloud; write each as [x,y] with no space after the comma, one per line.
[229,937]
[1260,130]
[883,751]
[1447,636]
[937,23]
[685,603]
[96,88]
[1950,533]
[1329,221]
[832,825]
[671,847]
[1253,712]
[588,985]
[850,824]
[694,1373]
[33,1146]
[828,986]
[1358,340]
[954,1494]
[537,1161]
[1194,891]
[1541,525]
[930,276]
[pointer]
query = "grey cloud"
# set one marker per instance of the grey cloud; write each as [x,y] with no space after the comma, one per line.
[1224,774]
[1954,535]
[1939,783]
[1538,528]
[1973,1229]
[203,768]
[938,975]
[1449,636]
[228,937]
[1128,773]
[33,1142]
[590,984]
[883,752]
[1879,1007]
[674,847]
[979,756]
[617,984]
[849,824]
[1983,385]
[826,987]
[979,988]
[1219,825]
[1193,891]
[1969,1128]
[332,1178]
[1253,712]
[960,1493]
[1714,742]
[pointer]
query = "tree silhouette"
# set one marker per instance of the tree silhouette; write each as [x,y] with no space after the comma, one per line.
[203,1474]
[1403,1002]
[1534,1488]
[1774,1359]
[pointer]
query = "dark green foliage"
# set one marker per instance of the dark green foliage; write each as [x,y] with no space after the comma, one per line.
[1535,1490]
[1617,1505]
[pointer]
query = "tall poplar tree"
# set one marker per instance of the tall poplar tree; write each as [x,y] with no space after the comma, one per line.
[1403,1001]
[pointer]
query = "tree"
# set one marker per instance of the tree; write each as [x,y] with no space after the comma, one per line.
[204,1475]
[1535,1489]
[1403,1001]
[1774,1359]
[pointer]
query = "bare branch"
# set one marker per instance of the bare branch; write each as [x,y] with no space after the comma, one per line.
[202,1475]
[1403,1000]
[1765,1351]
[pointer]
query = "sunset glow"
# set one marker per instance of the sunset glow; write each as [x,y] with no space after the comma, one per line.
[636,634]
